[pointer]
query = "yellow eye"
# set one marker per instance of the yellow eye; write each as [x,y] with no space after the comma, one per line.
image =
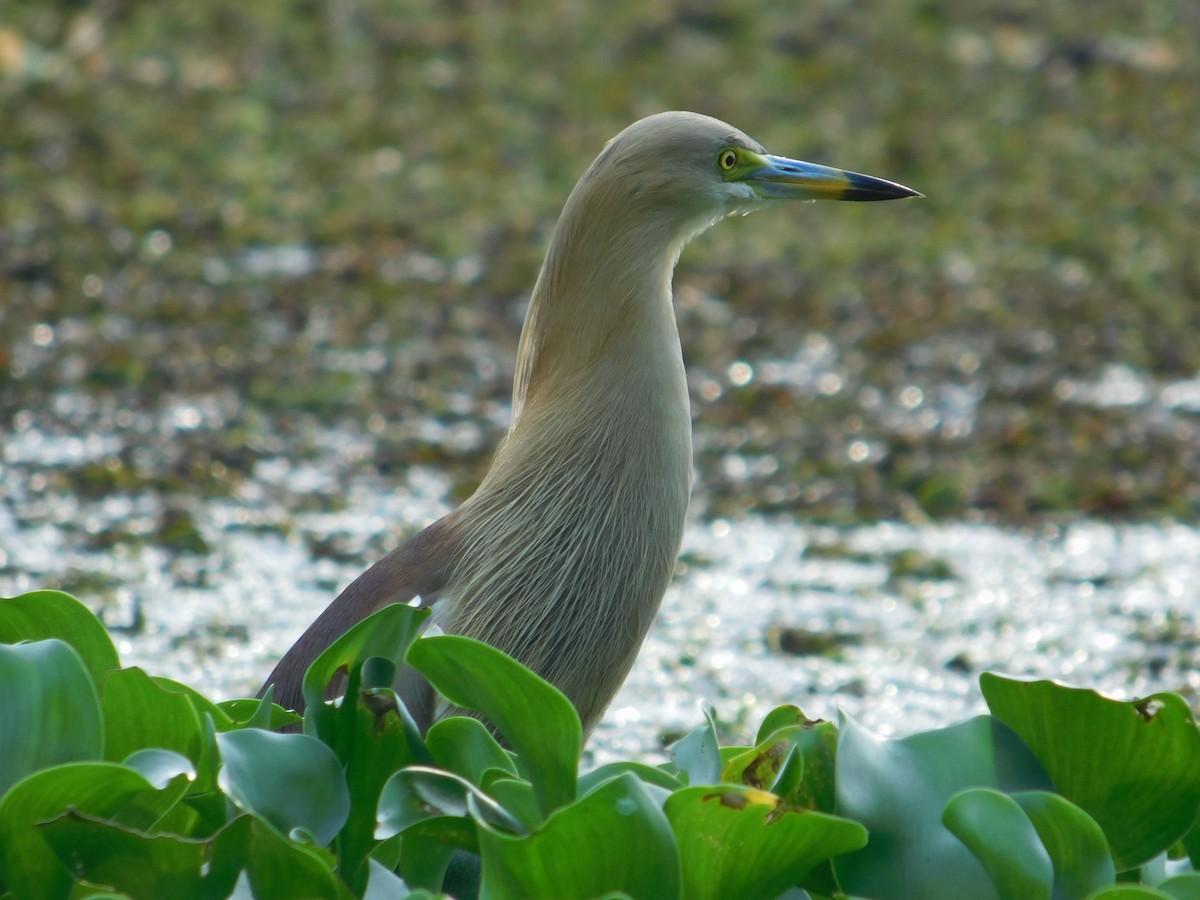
[727,159]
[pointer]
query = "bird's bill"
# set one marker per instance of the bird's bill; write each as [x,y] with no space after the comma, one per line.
[780,178]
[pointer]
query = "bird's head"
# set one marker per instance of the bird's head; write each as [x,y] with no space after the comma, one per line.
[687,170]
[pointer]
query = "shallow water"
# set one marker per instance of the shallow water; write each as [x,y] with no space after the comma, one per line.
[1110,607]
[891,622]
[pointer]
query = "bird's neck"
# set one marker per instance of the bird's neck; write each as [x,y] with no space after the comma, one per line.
[571,538]
[600,314]
[600,358]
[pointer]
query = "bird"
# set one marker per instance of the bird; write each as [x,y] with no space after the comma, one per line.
[561,556]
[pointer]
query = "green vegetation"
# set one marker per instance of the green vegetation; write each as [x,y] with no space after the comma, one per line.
[118,784]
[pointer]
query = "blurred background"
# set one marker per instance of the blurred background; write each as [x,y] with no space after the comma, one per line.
[263,268]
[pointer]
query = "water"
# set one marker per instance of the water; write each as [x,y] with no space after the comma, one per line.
[1100,605]
[891,622]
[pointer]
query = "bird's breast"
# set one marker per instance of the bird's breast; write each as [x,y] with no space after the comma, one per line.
[571,540]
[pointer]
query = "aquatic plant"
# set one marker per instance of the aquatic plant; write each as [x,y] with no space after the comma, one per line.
[117,783]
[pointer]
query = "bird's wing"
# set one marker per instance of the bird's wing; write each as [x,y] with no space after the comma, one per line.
[418,567]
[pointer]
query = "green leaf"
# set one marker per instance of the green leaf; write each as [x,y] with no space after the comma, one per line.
[1129,892]
[463,745]
[280,868]
[28,867]
[138,865]
[386,633]
[259,713]
[160,767]
[536,719]
[650,775]
[1077,847]
[1191,844]
[697,754]
[898,789]
[202,705]
[171,775]
[1001,836]
[51,711]
[417,794]
[737,841]
[1182,887]
[518,799]
[782,717]
[616,839]
[139,712]
[797,762]
[382,738]
[384,884]
[1131,766]
[291,780]
[760,766]
[274,865]
[39,615]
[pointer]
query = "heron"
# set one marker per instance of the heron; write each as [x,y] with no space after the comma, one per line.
[562,555]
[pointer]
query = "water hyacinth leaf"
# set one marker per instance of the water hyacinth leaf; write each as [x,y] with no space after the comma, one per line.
[40,615]
[759,767]
[418,793]
[291,780]
[616,839]
[518,799]
[139,712]
[697,755]
[652,776]
[428,847]
[384,884]
[781,717]
[134,863]
[51,710]
[737,841]
[1131,766]
[1077,847]
[28,867]
[1191,843]
[170,774]
[898,789]
[998,832]
[386,633]
[377,672]
[797,762]
[160,767]
[250,712]
[202,705]
[380,738]
[788,784]
[464,746]
[728,754]
[278,867]
[1182,887]
[1152,871]
[535,718]
[816,742]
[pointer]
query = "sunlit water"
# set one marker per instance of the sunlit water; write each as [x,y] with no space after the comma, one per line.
[1109,606]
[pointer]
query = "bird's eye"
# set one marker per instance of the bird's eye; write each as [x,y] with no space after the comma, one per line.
[727,159]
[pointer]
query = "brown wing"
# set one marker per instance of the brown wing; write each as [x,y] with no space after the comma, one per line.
[418,567]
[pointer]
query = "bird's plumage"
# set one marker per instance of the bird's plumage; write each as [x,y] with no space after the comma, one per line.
[562,555]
